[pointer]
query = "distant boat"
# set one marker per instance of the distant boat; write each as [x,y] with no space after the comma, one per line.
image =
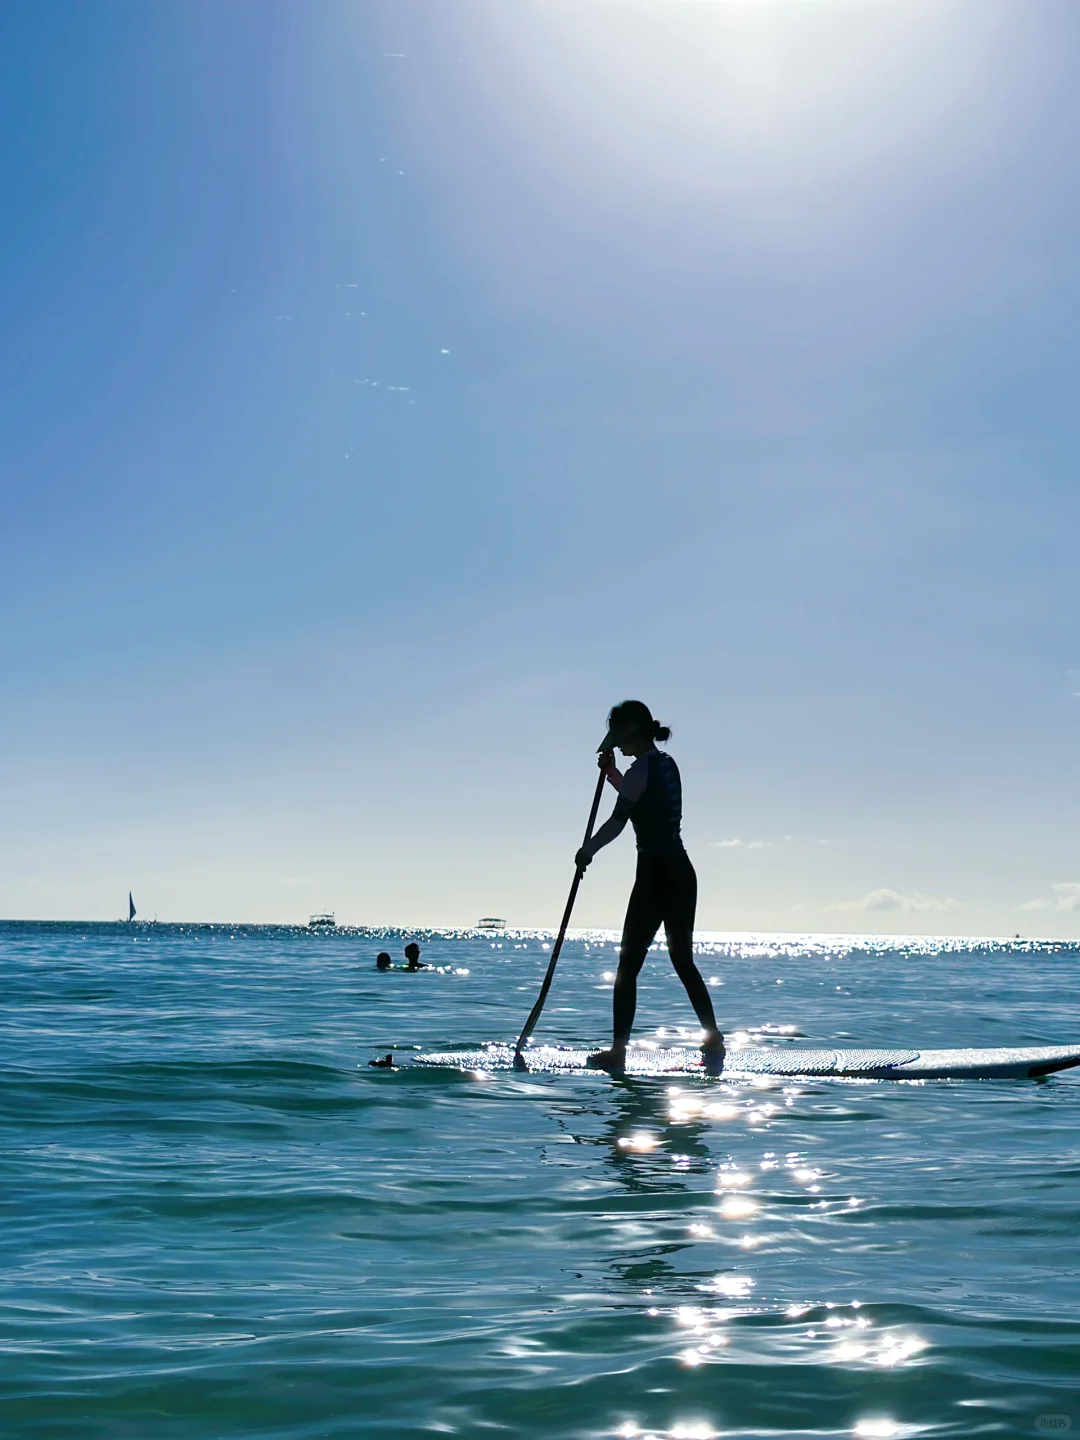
[131,908]
[491,922]
[322,922]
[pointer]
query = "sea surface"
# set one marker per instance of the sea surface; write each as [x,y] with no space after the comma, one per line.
[218,1221]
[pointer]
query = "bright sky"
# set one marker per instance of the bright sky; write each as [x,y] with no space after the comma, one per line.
[391,386]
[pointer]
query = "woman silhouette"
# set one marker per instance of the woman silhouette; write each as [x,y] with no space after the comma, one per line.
[665,888]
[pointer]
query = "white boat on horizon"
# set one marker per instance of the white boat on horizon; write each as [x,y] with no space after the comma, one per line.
[491,922]
[323,921]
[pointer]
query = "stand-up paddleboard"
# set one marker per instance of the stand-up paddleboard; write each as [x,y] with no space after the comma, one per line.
[1001,1063]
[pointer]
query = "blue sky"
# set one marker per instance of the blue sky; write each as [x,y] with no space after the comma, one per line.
[391,387]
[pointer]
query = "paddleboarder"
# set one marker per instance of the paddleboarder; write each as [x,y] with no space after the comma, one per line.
[665,887]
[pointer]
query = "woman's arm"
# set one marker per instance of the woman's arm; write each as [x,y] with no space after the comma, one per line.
[610,830]
[611,771]
[631,788]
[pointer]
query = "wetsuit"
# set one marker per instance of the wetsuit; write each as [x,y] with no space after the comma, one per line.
[665,888]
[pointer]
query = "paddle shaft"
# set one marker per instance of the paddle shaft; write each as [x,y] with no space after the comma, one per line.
[534,1013]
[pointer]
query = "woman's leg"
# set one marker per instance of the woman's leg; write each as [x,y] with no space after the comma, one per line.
[680,906]
[643,916]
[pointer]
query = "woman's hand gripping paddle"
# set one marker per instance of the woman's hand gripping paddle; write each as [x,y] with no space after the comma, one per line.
[534,1013]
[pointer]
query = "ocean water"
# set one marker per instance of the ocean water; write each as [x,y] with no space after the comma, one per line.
[219,1222]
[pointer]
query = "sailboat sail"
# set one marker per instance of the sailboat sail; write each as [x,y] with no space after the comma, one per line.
[131,907]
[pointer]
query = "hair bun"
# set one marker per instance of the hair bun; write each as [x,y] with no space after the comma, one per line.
[661,732]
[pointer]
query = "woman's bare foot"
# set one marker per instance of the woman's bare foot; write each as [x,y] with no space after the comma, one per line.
[613,1059]
[713,1054]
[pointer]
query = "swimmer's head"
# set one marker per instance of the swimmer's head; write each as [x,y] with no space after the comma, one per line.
[412,952]
[383,961]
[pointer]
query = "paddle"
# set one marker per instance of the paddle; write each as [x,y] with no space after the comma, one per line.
[534,1013]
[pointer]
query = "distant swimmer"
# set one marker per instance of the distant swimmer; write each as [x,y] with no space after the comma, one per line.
[387,1064]
[383,962]
[412,955]
[665,888]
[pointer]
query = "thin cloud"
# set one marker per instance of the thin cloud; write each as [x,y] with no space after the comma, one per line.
[1067,895]
[740,844]
[884,900]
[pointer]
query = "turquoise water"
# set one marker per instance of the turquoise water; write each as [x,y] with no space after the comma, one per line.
[219,1222]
